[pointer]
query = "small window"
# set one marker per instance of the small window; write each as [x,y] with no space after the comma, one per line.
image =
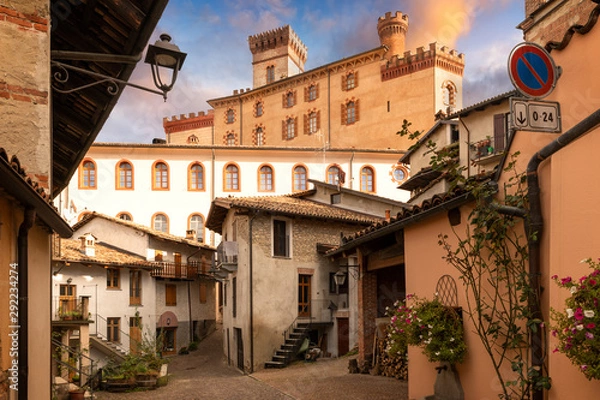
[258,107]
[230,139]
[193,139]
[231,178]
[313,122]
[160,223]
[265,179]
[289,99]
[158,255]
[197,224]
[124,176]
[113,329]
[300,178]
[350,113]
[135,287]
[281,238]
[161,176]
[230,116]
[113,278]
[367,180]
[312,92]
[350,81]
[398,173]
[125,216]
[196,177]
[289,129]
[87,175]
[270,74]
[259,137]
[170,295]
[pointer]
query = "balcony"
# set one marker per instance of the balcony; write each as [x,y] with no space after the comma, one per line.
[488,150]
[171,270]
[227,256]
[72,309]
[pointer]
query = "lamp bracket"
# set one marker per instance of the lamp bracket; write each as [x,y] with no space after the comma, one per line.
[62,76]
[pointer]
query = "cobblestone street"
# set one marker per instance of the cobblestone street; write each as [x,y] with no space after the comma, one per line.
[204,374]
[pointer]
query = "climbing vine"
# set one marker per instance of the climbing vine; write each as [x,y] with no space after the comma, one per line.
[491,255]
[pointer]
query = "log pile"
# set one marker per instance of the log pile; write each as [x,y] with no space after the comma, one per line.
[385,365]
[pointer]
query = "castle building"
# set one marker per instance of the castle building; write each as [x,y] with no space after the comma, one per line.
[336,123]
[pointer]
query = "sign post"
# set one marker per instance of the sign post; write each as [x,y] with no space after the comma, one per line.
[534,74]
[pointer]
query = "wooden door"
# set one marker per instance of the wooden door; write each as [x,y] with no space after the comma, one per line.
[240,347]
[135,334]
[68,299]
[343,336]
[304,295]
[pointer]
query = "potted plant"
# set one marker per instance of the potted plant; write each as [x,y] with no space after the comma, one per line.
[438,330]
[577,328]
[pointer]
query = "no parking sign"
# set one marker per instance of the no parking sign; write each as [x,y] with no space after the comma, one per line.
[532,70]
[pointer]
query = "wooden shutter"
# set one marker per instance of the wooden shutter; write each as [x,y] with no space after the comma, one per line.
[356,111]
[499,132]
[344,82]
[344,116]
[296,126]
[356,79]
[284,129]
[306,123]
[306,93]
[318,120]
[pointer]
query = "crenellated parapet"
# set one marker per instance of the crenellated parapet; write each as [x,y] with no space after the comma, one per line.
[185,122]
[392,31]
[436,56]
[279,37]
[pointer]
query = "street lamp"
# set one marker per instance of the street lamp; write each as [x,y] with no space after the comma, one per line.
[162,54]
[339,278]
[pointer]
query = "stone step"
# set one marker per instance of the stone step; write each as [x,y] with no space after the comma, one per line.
[274,364]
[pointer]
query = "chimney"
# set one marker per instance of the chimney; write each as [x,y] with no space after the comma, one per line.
[88,244]
[387,216]
[190,234]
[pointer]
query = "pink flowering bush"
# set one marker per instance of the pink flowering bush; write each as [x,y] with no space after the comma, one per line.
[434,327]
[578,327]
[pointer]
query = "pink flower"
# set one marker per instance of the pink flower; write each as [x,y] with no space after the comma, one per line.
[584,367]
[591,325]
[555,277]
[595,272]
[583,278]
[566,280]
[592,282]
[554,332]
[555,350]
[589,335]
[578,314]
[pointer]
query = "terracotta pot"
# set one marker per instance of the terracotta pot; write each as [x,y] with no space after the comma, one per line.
[77,395]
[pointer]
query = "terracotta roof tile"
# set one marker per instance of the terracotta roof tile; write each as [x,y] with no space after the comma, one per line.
[70,250]
[143,228]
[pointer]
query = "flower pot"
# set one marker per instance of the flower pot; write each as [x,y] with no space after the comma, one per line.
[447,384]
[77,395]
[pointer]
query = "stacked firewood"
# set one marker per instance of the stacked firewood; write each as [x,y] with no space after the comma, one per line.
[385,365]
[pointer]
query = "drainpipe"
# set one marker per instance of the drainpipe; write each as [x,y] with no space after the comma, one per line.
[250,300]
[23,267]
[350,171]
[536,225]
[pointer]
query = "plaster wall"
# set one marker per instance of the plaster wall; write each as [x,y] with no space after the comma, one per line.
[178,203]
[116,235]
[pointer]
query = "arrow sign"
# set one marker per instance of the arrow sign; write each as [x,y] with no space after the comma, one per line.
[532,70]
[529,115]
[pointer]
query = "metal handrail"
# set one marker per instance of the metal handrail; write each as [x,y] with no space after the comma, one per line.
[103,324]
[90,380]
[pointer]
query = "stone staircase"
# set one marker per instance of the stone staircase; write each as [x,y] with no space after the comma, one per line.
[108,348]
[288,350]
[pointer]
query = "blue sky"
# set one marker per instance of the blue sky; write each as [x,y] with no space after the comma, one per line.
[214,34]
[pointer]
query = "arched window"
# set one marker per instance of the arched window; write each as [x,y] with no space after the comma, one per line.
[259,136]
[160,179]
[312,92]
[231,181]
[299,178]
[87,175]
[367,180]
[230,116]
[124,176]
[333,175]
[125,216]
[265,179]
[196,223]
[160,223]
[196,177]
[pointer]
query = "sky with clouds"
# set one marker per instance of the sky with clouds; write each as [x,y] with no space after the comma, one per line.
[215,33]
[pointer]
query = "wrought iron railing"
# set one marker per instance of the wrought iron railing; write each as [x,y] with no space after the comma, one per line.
[71,309]
[101,332]
[71,367]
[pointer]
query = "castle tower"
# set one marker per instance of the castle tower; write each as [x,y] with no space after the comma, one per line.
[392,32]
[276,54]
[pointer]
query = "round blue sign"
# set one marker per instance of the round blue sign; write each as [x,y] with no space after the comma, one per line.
[532,70]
